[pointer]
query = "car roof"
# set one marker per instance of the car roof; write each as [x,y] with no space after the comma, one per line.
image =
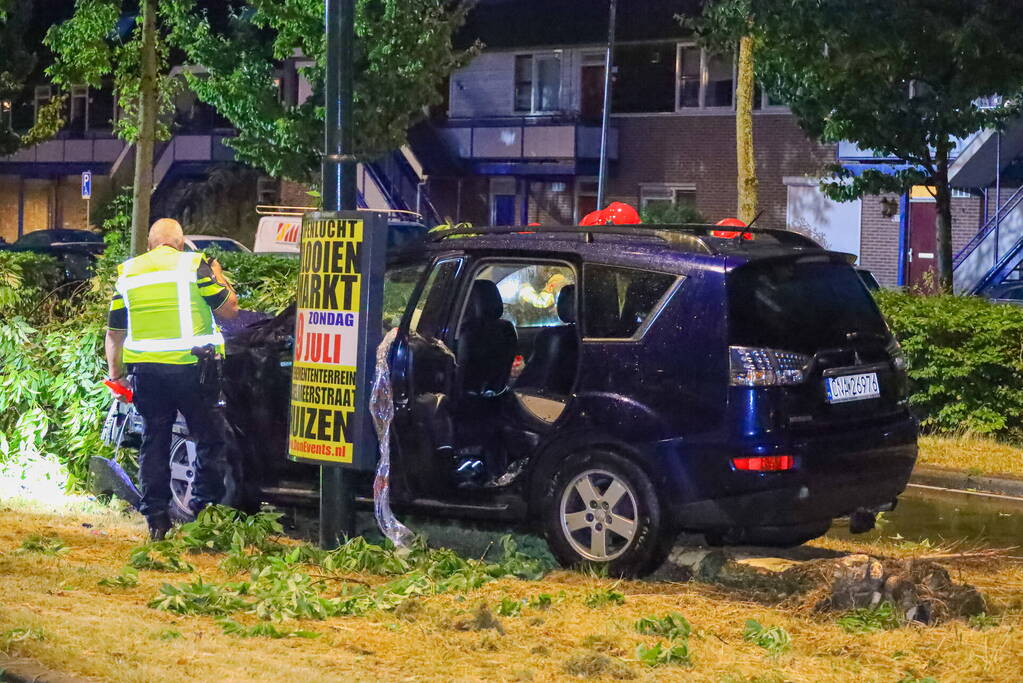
[646,245]
[218,238]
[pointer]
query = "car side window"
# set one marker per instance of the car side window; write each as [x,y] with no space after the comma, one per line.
[399,284]
[617,301]
[429,317]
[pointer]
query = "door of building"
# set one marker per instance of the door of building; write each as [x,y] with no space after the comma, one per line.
[591,96]
[923,242]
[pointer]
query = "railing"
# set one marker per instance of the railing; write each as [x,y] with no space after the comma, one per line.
[989,228]
[403,186]
[1005,264]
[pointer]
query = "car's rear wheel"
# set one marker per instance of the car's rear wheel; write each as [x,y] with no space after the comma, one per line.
[601,508]
[182,479]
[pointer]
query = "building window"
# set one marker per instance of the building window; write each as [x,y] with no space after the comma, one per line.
[667,195]
[644,78]
[268,191]
[706,80]
[538,83]
[78,120]
[43,95]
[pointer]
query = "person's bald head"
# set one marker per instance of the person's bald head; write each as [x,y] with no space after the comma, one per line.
[167,232]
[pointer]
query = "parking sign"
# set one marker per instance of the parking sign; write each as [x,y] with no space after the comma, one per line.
[87,185]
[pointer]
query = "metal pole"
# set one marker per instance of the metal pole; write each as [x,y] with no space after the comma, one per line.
[998,188]
[337,496]
[606,118]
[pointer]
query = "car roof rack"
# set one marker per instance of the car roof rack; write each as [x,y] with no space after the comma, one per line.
[702,233]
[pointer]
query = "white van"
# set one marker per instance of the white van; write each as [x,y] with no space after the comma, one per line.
[278,235]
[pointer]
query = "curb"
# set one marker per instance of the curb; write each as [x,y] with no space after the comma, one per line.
[22,670]
[964,481]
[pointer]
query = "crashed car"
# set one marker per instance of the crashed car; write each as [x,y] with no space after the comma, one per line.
[610,387]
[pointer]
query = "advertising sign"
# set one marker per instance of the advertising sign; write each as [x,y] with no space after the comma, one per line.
[337,328]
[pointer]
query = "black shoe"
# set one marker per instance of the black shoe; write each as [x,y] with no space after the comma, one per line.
[159,525]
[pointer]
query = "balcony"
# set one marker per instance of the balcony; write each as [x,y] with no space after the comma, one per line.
[539,146]
[68,156]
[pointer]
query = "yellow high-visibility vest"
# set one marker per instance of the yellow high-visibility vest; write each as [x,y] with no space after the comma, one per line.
[167,314]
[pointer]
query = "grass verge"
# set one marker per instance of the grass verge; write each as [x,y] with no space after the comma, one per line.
[972,454]
[55,610]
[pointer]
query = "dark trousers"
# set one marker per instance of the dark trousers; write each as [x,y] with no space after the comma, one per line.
[161,391]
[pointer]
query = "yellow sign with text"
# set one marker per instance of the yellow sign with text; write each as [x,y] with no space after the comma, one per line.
[327,324]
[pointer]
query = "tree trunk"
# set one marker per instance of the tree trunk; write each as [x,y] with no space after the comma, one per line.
[943,199]
[143,190]
[747,163]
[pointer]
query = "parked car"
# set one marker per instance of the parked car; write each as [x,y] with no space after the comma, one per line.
[201,242]
[1005,293]
[869,281]
[74,250]
[609,388]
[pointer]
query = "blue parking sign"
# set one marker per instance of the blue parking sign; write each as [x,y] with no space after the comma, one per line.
[87,185]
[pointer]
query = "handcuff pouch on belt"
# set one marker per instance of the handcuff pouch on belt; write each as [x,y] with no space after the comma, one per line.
[211,373]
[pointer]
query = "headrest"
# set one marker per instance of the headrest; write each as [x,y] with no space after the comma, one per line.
[566,304]
[485,301]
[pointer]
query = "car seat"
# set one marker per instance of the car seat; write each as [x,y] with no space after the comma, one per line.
[486,343]
[552,364]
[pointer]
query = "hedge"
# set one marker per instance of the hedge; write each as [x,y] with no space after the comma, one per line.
[965,359]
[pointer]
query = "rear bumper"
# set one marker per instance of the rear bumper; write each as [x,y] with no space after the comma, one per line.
[835,475]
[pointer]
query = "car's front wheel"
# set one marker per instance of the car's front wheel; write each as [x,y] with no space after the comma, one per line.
[601,508]
[182,479]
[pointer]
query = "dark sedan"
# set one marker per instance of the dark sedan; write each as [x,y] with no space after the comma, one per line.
[74,250]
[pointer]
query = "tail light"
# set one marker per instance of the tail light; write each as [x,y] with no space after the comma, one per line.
[766,463]
[899,361]
[750,367]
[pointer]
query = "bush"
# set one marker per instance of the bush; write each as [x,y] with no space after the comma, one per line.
[965,359]
[663,213]
[264,282]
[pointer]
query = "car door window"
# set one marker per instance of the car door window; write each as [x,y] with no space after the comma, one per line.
[618,301]
[399,285]
[429,318]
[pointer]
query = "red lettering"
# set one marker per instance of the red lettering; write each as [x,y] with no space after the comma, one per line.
[337,348]
[326,349]
[314,340]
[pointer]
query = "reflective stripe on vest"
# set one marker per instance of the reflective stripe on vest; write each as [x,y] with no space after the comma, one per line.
[183,277]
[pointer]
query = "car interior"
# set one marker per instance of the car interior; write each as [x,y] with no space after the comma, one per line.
[517,353]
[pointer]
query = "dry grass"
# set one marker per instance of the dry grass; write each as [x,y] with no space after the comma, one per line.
[75,626]
[973,454]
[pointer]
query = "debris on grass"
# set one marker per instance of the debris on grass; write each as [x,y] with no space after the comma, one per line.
[882,617]
[983,621]
[604,597]
[509,607]
[774,639]
[20,635]
[658,654]
[161,556]
[128,578]
[603,644]
[262,630]
[44,544]
[481,620]
[596,665]
[672,626]
[167,634]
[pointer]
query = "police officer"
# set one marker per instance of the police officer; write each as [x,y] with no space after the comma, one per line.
[163,307]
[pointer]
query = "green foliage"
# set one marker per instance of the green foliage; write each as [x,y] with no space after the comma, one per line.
[20,635]
[883,617]
[88,49]
[262,630]
[264,282]
[168,634]
[509,607]
[663,213]
[675,654]
[404,52]
[542,601]
[43,544]
[604,597]
[983,621]
[16,62]
[774,639]
[219,528]
[197,597]
[964,360]
[160,556]
[129,578]
[672,626]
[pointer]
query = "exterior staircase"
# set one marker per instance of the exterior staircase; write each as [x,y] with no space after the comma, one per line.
[994,252]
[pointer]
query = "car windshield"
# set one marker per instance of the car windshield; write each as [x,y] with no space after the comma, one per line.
[222,245]
[44,238]
[799,305]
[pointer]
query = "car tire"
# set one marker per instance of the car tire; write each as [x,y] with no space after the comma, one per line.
[182,459]
[587,496]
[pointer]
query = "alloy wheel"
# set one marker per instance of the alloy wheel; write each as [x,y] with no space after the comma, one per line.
[599,515]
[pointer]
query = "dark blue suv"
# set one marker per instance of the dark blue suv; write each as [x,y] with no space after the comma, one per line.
[612,386]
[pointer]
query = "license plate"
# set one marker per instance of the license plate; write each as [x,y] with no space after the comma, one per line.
[852,387]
